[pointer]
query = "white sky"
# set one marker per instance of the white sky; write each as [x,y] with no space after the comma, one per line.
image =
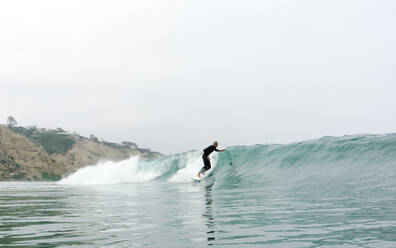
[175,75]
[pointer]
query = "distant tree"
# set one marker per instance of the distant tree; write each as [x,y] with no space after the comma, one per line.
[30,130]
[93,138]
[129,144]
[59,130]
[11,122]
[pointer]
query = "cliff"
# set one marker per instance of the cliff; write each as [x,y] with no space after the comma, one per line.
[30,158]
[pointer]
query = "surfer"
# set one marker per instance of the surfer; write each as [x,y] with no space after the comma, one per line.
[207,151]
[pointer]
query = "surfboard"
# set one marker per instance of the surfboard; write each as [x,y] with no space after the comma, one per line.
[203,175]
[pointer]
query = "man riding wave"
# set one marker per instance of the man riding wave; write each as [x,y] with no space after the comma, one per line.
[207,151]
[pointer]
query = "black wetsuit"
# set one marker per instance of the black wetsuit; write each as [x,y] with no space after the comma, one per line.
[207,151]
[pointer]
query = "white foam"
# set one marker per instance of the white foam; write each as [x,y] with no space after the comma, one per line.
[194,164]
[125,171]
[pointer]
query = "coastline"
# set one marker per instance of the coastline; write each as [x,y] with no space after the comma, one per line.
[25,159]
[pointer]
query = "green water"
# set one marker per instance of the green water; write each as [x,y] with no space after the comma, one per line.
[332,192]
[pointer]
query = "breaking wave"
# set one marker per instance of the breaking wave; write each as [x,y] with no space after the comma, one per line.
[333,159]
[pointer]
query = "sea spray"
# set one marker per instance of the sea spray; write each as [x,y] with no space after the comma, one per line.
[111,173]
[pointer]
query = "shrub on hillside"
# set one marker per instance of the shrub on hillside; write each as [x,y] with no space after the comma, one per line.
[53,142]
[20,130]
[50,177]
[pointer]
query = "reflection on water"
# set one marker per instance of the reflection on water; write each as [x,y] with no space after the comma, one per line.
[195,215]
[208,214]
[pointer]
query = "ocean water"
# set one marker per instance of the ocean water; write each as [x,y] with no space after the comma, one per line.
[329,192]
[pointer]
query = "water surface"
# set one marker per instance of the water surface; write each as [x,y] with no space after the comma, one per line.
[332,192]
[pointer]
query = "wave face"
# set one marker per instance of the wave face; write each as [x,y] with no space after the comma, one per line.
[363,159]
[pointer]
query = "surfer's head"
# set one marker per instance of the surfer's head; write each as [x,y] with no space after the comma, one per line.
[215,144]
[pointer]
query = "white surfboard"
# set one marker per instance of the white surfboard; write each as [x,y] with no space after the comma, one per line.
[203,175]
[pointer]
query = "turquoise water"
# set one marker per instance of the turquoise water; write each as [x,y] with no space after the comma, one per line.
[330,192]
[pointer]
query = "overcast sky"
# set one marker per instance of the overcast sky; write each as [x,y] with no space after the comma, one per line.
[175,75]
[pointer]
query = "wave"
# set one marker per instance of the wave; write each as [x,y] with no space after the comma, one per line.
[347,158]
